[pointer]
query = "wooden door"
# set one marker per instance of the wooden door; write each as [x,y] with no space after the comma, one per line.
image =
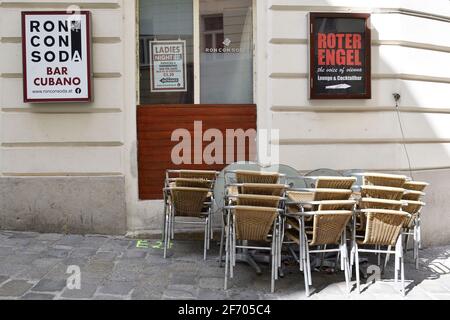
[155,125]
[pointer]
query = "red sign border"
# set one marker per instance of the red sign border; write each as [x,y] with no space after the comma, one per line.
[89,56]
[368,63]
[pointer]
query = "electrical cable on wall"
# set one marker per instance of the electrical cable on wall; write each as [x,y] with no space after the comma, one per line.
[397,98]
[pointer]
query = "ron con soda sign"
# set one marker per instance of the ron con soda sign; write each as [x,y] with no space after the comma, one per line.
[56,49]
[340,56]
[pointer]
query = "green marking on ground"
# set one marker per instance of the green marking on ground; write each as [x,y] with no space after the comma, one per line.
[142,244]
[160,245]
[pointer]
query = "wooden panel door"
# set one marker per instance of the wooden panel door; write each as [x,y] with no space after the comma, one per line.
[155,125]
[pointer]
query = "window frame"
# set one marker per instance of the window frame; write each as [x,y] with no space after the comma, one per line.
[197,31]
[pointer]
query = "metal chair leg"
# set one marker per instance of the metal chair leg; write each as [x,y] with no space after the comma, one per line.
[344,255]
[305,274]
[205,240]
[358,283]
[227,251]
[386,260]
[416,246]
[301,251]
[222,234]
[166,234]
[273,260]
[208,232]
[398,253]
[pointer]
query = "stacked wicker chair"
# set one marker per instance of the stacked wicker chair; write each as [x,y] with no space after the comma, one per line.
[253,214]
[188,194]
[317,219]
[414,204]
[379,220]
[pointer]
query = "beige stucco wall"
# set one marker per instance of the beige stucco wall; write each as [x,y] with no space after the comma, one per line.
[410,56]
[86,145]
[410,53]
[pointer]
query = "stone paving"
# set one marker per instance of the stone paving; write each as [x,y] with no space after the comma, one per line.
[34,267]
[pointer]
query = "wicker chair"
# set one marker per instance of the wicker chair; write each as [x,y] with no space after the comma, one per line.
[382,228]
[188,179]
[187,202]
[251,223]
[412,227]
[250,183]
[328,229]
[318,217]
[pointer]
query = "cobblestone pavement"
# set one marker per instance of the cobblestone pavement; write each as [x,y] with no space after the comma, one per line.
[34,266]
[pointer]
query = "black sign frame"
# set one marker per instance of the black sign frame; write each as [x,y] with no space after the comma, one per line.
[366,41]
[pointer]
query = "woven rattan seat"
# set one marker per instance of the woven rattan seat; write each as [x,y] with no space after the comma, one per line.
[188,202]
[328,226]
[383,226]
[254,223]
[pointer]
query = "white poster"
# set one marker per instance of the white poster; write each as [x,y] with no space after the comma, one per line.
[168,66]
[56,51]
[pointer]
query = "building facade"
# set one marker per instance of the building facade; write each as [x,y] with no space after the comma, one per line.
[97,167]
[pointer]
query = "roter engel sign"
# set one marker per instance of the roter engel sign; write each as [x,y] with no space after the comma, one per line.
[340,56]
[56,56]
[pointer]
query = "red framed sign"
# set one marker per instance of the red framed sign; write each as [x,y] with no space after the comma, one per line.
[340,56]
[56,49]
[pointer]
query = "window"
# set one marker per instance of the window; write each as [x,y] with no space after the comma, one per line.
[162,21]
[224,51]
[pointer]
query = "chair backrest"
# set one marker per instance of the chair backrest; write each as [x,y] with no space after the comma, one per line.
[383,179]
[254,223]
[258,200]
[331,194]
[328,226]
[335,182]
[413,195]
[246,176]
[415,185]
[327,205]
[413,208]
[198,174]
[381,192]
[374,203]
[383,226]
[193,183]
[188,202]
[298,196]
[263,189]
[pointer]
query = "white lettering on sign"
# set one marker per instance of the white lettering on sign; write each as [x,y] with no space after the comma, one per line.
[168,66]
[56,51]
